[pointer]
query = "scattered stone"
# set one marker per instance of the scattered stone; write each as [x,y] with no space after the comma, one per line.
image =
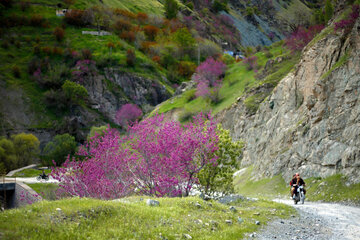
[240,220]
[214,223]
[228,222]
[207,224]
[257,222]
[233,209]
[252,235]
[58,209]
[187,236]
[282,222]
[199,221]
[152,203]
[256,214]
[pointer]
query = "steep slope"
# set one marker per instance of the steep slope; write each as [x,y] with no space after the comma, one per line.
[310,122]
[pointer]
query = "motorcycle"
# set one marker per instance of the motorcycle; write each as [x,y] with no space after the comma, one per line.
[42,176]
[299,195]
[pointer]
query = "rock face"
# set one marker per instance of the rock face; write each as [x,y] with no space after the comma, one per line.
[311,121]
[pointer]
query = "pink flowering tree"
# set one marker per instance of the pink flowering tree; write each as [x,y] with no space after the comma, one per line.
[127,114]
[208,77]
[83,70]
[156,157]
[302,36]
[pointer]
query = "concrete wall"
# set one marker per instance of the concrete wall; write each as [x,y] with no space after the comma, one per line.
[24,195]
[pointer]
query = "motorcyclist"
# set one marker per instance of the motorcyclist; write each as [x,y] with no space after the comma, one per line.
[295,182]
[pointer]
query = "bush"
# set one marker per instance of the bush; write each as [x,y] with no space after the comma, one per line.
[74,93]
[128,36]
[127,114]
[130,58]
[86,54]
[26,148]
[171,9]
[186,68]
[57,51]
[58,149]
[36,20]
[59,34]
[227,59]
[220,6]
[97,131]
[156,59]
[142,17]
[301,37]
[151,32]
[349,22]
[75,17]
[122,25]
[124,13]
[146,46]
[83,70]
[251,63]
[16,71]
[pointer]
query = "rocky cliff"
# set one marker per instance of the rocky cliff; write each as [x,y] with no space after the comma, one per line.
[311,121]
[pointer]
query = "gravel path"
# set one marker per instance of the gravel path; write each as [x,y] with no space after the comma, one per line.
[316,221]
[32,180]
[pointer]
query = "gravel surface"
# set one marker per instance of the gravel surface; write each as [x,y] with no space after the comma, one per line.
[316,221]
[32,180]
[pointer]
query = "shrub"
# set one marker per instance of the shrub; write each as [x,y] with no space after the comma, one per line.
[146,46]
[130,58]
[186,68]
[127,114]
[329,10]
[349,22]
[156,59]
[301,37]
[83,69]
[268,54]
[86,54]
[57,51]
[122,25]
[58,149]
[7,154]
[128,36]
[16,71]
[59,34]
[96,132]
[227,59]
[142,17]
[151,31]
[251,63]
[46,50]
[26,148]
[74,92]
[124,13]
[74,17]
[219,5]
[171,9]
[36,20]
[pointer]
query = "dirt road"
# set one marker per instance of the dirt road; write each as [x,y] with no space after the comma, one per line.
[316,221]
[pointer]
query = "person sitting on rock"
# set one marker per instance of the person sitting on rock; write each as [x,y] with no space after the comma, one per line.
[295,182]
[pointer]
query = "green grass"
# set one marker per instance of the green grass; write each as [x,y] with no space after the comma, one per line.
[334,188]
[132,219]
[30,173]
[45,190]
[266,188]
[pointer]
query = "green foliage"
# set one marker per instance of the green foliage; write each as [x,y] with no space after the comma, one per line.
[220,5]
[99,131]
[184,39]
[171,9]
[131,218]
[46,190]
[252,103]
[58,149]
[329,10]
[26,148]
[30,172]
[74,92]
[218,178]
[227,59]
[2,169]
[18,151]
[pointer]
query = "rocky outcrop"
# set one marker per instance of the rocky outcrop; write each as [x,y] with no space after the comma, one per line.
[311,121]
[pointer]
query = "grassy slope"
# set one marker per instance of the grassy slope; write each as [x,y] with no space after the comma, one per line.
[29,36]
[133,219]
[237,80]
[331,189]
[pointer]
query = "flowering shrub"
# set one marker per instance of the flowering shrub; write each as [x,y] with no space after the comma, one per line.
[122,25]
[151,31]
[208,78]
[127,114]
[128,36]
[157,157]
[251,63]
[142,17]
[302,36]
[82,70]
[348,23]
